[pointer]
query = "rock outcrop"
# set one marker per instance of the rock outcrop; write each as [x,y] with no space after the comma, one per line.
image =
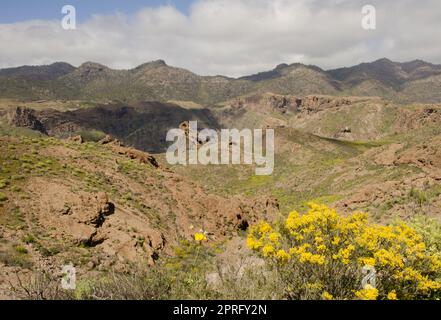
[133,153]
[26,118]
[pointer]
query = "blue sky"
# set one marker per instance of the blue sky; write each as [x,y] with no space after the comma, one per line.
[21,10]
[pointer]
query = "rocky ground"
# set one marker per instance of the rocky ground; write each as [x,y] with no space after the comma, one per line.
[102,205]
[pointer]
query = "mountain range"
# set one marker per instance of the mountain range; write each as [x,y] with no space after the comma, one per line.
[408,82]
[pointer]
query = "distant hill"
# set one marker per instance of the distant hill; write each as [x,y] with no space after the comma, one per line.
[49,72]
[389,73]
[414,81]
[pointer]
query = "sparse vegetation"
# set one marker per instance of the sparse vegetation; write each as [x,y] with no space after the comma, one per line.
[20,249]
[418,196]
[40,286]
[29,238]
[184,276]
[3,197]
[16,257]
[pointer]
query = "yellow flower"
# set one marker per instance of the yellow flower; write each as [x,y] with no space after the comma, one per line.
[428,285]
[345,253]
[311,258]
[293,221]
[265,227]
[268,250]
[253,244]
[273,237]
[314,286]
[368,293]
[327,296]
[318,239]
[392,295]
[386,257]
[366,261]
[336,240]
[282,256]
[199,237]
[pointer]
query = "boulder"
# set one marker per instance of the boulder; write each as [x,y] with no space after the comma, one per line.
[77,139]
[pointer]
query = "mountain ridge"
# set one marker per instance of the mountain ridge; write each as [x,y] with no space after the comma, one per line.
[157,81]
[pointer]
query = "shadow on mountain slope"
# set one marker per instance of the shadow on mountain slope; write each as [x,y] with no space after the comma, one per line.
[143,125]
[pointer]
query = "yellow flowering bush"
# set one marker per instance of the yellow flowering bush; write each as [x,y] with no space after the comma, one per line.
[320,255]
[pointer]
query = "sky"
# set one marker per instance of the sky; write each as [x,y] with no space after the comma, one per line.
[210,37]
[22,10]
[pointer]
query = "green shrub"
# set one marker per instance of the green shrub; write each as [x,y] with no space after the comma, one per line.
[142,284]
[430,229]
[418,196]
[3,197]
[16,189]
[3,183]
[29,238]
[20,249]
[91,135]
[14,259]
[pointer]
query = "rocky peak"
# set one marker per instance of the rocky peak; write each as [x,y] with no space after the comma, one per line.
[91,69]
[152,64]
[281,66]
[92,66]
[159,62]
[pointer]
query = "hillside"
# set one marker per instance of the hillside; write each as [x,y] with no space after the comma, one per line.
[326,151]
[101,206]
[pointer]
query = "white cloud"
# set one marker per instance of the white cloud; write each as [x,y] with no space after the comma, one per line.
[234,37]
